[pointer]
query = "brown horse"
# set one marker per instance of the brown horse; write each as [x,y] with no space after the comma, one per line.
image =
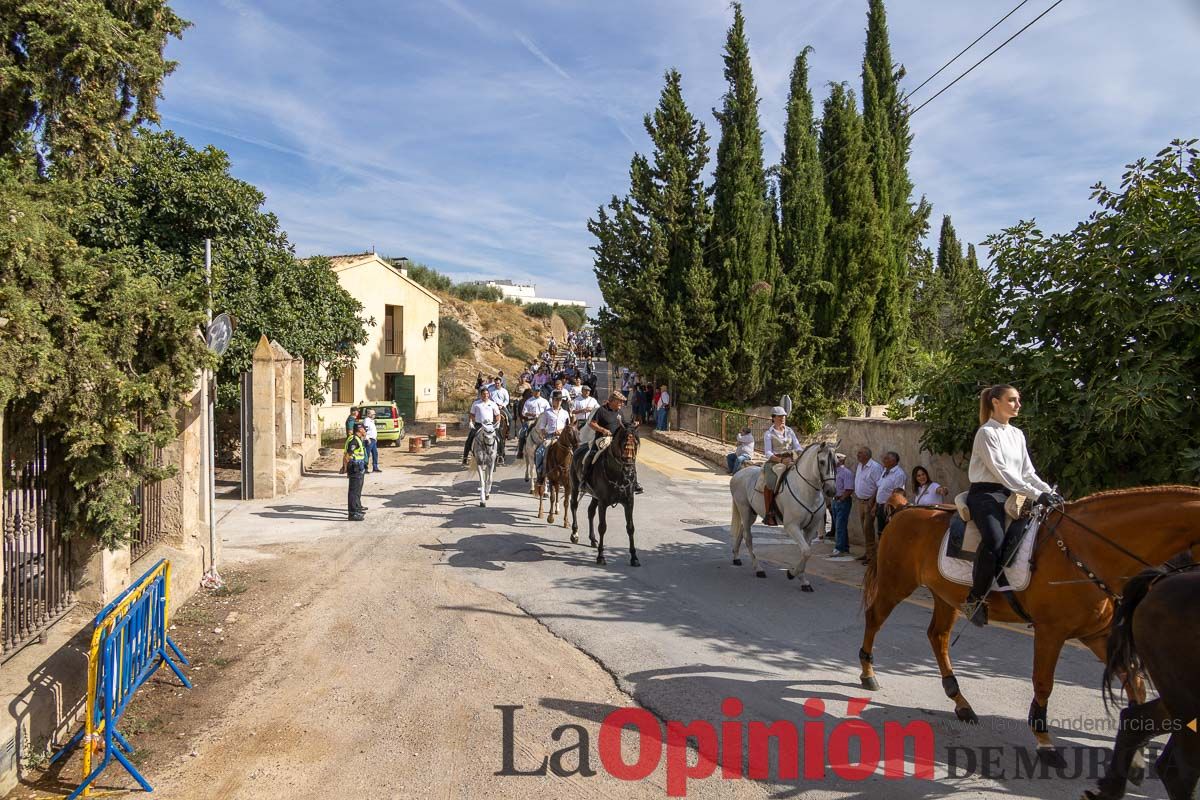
[558,471]
[1083,556]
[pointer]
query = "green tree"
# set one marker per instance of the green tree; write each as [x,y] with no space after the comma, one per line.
[1100,330]
[804,217]
[889,142]
[166,199]
[737,249]
[76,79]
[856,254]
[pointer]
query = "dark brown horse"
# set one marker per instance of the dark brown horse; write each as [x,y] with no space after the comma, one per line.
[1155,634]
[1084,554]
[557,472]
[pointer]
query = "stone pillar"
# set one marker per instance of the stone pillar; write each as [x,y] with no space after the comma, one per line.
[297,409]
[283,398]
[263,424]
[183,509]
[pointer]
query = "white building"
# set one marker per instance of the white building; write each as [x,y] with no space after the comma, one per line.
[527,293]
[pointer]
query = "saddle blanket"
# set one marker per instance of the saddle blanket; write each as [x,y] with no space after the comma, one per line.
[958,570]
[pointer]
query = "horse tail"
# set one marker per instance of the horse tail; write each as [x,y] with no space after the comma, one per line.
[870,585]
[1122,658]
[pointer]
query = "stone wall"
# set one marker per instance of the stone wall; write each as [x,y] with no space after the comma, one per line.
[285,434]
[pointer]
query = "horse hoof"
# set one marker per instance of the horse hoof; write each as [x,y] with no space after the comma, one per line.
[791,577]
[633,562]
[737,562]
[807,588]
[482,504]
[601,560]
[1137,774]
[869,683]
[1051,757]
[762,573]
[574,538]
[966,714]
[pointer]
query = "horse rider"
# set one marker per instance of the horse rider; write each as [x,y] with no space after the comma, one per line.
[606,422]
[584,406]
[780,446]
[999,467]
[482,410]
[501,398]
[551,423]
[532,406]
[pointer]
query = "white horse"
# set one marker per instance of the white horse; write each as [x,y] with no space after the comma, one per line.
[801,499]
[532,440]
[483,453]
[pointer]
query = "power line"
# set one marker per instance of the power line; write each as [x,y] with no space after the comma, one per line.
[968,47]
[985,58]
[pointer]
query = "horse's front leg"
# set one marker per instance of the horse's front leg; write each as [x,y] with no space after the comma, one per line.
[603,527]
[574,494]
[796,570]
[1047,645]
[633,559]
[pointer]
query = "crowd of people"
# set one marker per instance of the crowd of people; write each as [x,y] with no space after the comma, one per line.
[647,403]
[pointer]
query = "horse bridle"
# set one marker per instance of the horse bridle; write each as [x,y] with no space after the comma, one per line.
[1052,530]
[812,512]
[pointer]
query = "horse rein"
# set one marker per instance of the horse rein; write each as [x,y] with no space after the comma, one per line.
[812,512]
[1052,530]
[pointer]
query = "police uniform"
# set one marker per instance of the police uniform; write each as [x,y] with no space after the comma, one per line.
[356,467]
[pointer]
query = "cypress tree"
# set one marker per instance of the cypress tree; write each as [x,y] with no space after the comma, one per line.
[885,117]
[856,252]
[737,246]
[950,255]
[649,259]
[804,217]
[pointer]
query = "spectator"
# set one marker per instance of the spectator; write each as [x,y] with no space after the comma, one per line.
[478,382]
[503,380]
[926,491]
[351,421]
[892,479]
[662,406]
[354,465]
[866,482]
[842,500]
[372,439]
[742,453]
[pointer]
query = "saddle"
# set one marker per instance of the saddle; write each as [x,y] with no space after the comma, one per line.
[761,484]
[956,557]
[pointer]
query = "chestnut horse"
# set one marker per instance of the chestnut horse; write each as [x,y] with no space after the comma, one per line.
[1084,554]
[557,472]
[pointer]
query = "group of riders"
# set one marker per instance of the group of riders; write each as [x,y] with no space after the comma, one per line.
[999,468]
[549,408]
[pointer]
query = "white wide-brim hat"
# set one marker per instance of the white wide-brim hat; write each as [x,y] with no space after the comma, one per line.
[778,411]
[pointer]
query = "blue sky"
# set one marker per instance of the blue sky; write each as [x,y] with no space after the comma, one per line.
[480,137]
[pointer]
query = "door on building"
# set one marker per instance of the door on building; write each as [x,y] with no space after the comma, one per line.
[404,395]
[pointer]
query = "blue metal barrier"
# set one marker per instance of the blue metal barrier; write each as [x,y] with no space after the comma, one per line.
[129,644]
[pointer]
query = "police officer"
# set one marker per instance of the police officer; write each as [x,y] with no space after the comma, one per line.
[354,464]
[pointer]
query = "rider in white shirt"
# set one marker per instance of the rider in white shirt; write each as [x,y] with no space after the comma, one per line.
[550,424]
[482,410]
[584,406]
[531,409]
[780,445]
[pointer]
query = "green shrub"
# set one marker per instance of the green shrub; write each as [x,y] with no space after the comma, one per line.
[513,301]
[425,275]
[572,316]
[509,348]
[474,291]
[453,341]
[539,310]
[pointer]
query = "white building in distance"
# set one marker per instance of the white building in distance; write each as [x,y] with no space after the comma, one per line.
[526,293]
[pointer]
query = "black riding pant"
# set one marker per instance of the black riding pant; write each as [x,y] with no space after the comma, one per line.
[470,440]
[355,472]
[986,503]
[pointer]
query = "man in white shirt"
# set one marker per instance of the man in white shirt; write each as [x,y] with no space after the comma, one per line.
[372,440]
[530,411]
[584,406]
[866,483]
[551,423]
[500,398]
[742,453]
[893,478]
[482,410]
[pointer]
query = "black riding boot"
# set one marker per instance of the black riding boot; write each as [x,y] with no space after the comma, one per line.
[975,609]
[467,446]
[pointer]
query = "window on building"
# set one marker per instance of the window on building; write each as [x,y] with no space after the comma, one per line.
[393,331]
[389,385]
[342,390]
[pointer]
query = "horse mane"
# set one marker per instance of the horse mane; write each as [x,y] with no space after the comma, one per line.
[1136,490]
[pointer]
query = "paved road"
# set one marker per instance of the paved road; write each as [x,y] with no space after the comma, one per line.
[687,629]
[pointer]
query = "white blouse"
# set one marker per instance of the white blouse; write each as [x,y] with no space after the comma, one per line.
[780,441]
[928,495]
[999,455]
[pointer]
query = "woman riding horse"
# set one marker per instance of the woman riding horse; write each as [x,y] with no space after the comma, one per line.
[780,445]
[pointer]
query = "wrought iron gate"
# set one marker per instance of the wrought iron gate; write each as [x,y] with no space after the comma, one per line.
[148,499]
[36,559]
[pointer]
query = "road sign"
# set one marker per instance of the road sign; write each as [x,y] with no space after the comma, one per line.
[219,332]
[786,402]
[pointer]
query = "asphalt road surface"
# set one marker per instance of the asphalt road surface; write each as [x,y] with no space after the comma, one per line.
[687,630]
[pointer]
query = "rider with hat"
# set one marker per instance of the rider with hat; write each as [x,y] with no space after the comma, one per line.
[780,445]
[482,410]
[584,406]
[606,422]
[999,467]
[551,423]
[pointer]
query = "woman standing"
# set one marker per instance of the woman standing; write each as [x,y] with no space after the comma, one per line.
[999,467]
[780,445]
[927,492]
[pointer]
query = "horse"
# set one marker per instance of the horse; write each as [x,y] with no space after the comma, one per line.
[610,483]
[802,499]
[483,453]
[1083,554]
[557,471]
[504,431]
[532,440]
[1147,641]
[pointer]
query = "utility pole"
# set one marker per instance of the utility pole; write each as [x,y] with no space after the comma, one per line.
[211,579]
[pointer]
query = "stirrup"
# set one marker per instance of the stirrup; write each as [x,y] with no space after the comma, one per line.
[976,612]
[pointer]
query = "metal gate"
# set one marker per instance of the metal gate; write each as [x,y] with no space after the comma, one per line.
[36,559]
[148,499]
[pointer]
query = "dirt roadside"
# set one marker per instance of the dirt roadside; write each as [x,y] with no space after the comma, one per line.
[358,665]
